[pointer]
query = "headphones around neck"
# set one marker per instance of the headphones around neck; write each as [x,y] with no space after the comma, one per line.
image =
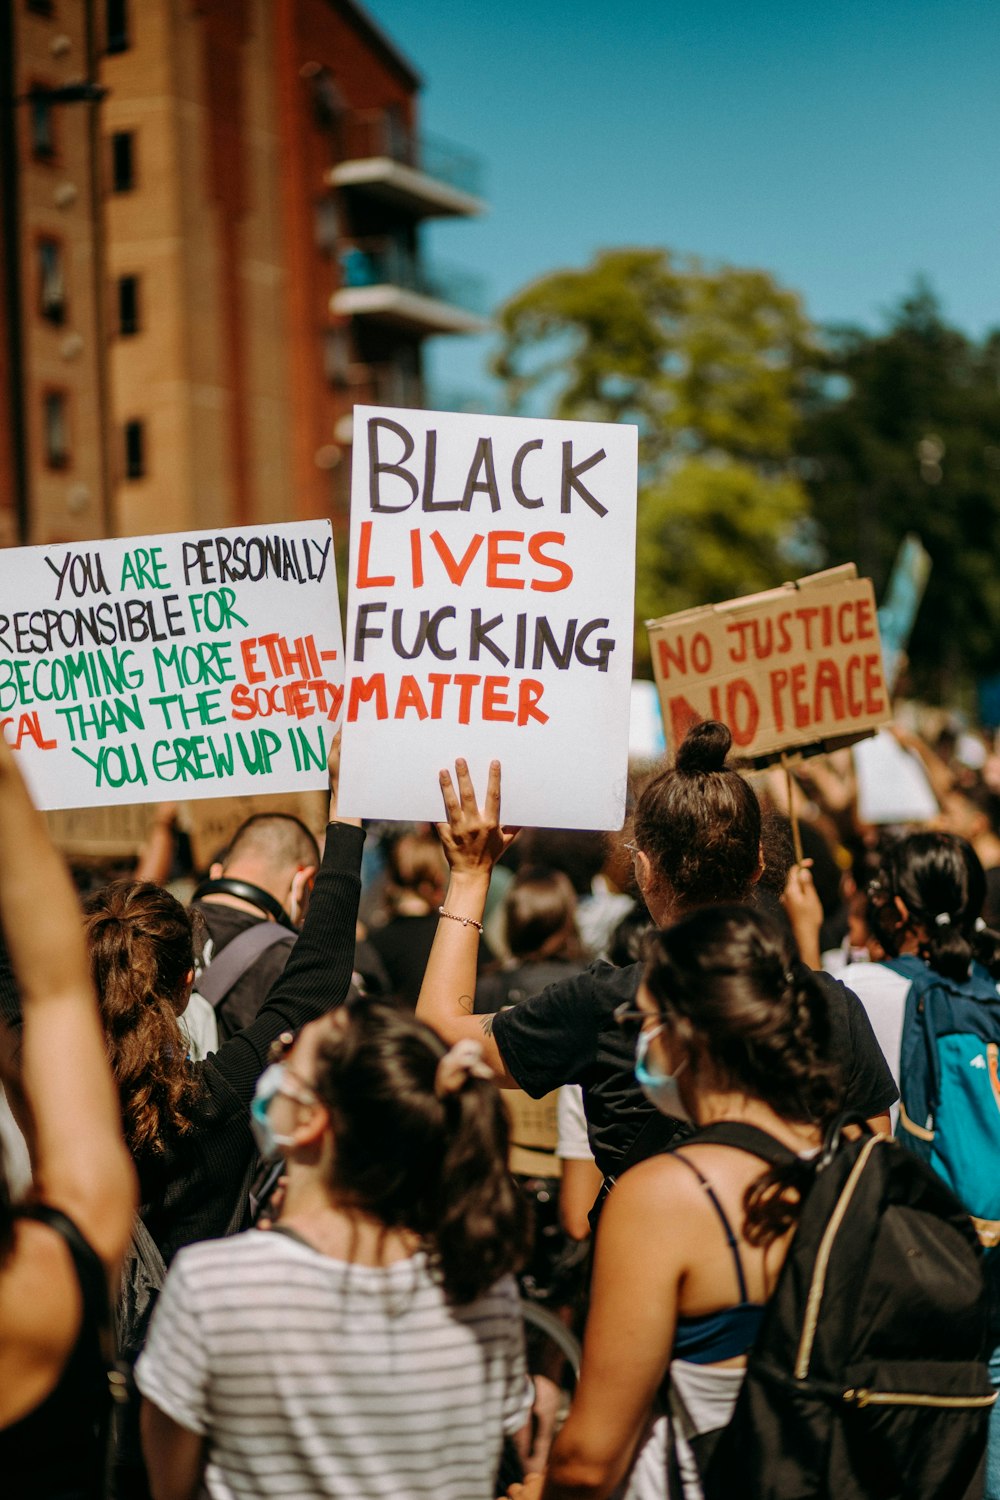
[226,885]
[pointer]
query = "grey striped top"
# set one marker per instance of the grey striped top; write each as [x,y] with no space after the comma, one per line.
[314,1377]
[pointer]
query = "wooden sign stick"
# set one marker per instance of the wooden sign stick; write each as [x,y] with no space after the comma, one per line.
[792,814]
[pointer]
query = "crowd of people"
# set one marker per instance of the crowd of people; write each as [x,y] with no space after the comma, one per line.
[299,1147]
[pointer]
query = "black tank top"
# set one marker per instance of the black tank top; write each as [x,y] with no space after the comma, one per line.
[57,1451]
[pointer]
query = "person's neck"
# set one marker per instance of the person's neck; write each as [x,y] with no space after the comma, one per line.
[715,1105]
[339,1230]
[219,898]
[987,847]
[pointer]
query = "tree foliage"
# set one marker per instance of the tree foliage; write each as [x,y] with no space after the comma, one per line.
[709,363]
[901,432]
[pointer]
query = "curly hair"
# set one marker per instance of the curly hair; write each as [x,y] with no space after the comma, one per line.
[141,954]
[700,822]
[730,989]
[437,1166]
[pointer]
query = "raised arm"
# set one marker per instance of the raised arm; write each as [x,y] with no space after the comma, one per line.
[80,1161]
[473,841]
[318,974]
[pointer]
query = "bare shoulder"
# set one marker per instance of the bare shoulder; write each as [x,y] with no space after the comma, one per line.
[40,1312]
[659,1181]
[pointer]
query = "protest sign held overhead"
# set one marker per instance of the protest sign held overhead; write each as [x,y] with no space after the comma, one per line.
[196,664]
[490,614]
[799,666]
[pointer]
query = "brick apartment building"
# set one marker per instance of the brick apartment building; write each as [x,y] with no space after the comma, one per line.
[205,268]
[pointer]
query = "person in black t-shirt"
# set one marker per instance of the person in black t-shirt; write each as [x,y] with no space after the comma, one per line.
[696,842]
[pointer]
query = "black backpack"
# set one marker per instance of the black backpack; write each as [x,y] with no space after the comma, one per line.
[868,1378]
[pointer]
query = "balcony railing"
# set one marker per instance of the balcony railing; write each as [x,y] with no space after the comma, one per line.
[376,133]
[381,263]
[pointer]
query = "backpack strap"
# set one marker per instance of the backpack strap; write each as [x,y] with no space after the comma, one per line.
[228,968]
[743,1137]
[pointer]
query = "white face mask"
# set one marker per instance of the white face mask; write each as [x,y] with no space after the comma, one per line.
[659,1088]
[272,1081]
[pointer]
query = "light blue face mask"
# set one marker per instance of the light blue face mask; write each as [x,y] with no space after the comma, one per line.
[273,1081]
[659,1088]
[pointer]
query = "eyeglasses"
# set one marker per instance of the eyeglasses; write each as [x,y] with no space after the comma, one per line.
[633,849]
[630,1015]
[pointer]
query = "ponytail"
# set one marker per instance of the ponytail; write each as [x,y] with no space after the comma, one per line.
[419,1157]
[481,1217]
[141,951]
[940,881]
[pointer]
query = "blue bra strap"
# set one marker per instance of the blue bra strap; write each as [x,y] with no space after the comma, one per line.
[728,1228]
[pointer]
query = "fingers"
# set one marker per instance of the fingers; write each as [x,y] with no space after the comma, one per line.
[492,808]
[466,790]
[451,803]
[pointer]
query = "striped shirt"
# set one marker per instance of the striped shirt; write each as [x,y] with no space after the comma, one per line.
[310,1376]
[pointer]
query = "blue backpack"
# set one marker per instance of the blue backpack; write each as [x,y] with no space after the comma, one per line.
[949,1084]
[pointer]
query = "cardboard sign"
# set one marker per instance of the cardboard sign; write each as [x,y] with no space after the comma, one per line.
[796,667]
[164,668]
[490,614]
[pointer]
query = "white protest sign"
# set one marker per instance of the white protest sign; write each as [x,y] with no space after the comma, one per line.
[196,664]
[490,614]
[892,783]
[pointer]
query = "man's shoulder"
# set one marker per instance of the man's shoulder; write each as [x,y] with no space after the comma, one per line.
[224,922]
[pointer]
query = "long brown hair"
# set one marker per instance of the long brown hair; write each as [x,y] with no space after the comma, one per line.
[437,1166]
[141,952]
[730,989]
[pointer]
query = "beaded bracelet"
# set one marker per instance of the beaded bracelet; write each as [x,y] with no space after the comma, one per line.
[465,921]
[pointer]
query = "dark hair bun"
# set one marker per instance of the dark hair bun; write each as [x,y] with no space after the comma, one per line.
[704,749]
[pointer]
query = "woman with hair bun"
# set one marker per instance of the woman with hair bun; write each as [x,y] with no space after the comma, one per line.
[726,1028]
[327,1356]
[696,842]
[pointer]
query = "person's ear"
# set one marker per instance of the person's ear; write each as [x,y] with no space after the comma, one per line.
[184,994]
[312,1127]
[761,865]
[644,874]
[299,892]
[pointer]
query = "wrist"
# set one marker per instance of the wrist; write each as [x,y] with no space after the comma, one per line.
[469,883]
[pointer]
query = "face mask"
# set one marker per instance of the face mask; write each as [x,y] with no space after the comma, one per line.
[272,1081]
[659,1088]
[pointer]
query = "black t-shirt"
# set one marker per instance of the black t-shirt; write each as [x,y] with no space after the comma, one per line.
[568,1034]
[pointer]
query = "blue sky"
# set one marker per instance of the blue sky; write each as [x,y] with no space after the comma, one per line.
[844,147]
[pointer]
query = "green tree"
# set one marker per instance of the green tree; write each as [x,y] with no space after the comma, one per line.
[709,364]
[901,432]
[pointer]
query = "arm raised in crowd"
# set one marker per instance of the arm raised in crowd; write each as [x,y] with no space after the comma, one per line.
[473,841]
[80,1161]
[317,976]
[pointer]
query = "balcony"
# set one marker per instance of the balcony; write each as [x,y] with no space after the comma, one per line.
[420,175]
[380,279]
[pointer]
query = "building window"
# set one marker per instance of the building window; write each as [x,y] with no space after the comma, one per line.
[55,429]
[122,161]
[117,26]
[51,282]
[42,126]
[128,305]
[135,449]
